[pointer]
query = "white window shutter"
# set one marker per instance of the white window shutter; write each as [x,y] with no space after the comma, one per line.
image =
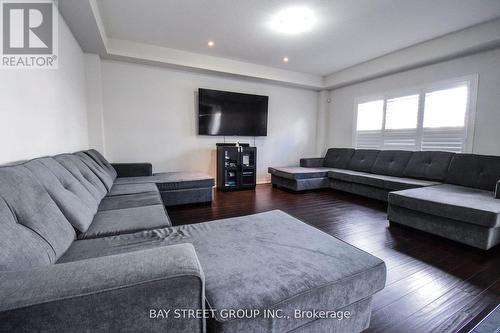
[404,139]
[401,118]
[369,125]
[369,139]
[432,120]
[444,138]
[444,119]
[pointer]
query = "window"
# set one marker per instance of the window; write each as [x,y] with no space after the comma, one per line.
[445,114]
[433,118]
[369,124]
[401,117]
[401,113]
[370,116]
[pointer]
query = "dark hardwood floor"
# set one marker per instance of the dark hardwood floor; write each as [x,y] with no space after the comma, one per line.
[433,285]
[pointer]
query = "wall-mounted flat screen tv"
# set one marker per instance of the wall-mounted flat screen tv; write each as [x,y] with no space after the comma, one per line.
[229,113]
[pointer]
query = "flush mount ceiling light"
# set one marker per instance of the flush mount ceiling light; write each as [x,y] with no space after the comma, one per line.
[210,43]
[293,20]
[285,59]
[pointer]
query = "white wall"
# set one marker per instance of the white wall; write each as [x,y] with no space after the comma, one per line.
[150,115]
[484,36]
[93,85]
[486,64]
[43,112]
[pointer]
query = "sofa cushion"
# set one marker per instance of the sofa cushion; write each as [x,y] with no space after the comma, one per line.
[103,162]
[401,183]
[97,169]
[312,162]
[353,176]
[122,189]
[338,157]
[83,174]
[299,172]
[70,182]
[391,162]
[381,181]
[262,261]
[430,165]
[128,220]
[478,171]
[33,208]
[373,192]
[20,247]
[171,180]
[130,201]
[451,201]
[363,160]
[78,213]
[135,180]
[140,169]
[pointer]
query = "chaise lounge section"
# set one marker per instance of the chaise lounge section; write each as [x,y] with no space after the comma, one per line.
[313,172]
[82,250]
[464,209]
[267,261]
[447,194]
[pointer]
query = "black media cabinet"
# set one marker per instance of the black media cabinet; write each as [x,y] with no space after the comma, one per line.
[236,167]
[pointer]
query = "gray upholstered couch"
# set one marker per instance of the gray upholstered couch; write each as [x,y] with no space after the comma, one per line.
[82,250]
[450,195]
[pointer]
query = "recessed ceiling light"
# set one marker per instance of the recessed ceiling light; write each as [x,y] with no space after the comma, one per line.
[293,20]
[285,59]
[210,43]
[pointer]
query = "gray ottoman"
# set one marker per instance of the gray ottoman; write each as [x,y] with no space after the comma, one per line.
[268,261]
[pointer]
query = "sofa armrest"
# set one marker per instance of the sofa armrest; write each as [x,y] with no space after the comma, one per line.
[106,294]
[133,169]
[314,162]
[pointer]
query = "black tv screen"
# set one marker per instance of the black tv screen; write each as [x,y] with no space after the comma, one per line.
[229,113]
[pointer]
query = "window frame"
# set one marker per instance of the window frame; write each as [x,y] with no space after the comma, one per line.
[471,81]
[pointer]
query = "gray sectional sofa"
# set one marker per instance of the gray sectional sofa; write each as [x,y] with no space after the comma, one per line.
[84,250]
[447,194]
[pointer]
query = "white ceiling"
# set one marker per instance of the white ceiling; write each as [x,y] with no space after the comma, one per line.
[347,32]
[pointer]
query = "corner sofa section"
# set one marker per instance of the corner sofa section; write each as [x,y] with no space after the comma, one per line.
[447,194]
[48,206]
